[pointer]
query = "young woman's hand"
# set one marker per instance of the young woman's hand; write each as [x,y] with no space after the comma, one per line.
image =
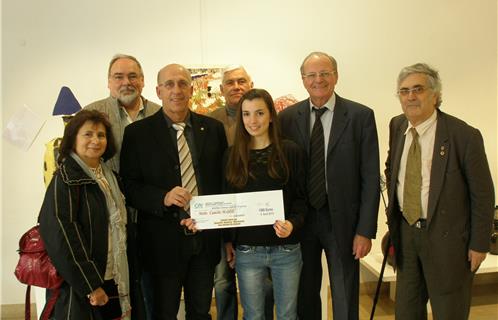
[283,228]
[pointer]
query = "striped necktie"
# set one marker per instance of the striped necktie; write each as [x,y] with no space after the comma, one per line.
[186,166]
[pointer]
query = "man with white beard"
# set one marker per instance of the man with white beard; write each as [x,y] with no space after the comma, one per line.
[125,80]
[125,103]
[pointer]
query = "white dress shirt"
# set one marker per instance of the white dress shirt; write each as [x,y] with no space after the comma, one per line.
[426,136]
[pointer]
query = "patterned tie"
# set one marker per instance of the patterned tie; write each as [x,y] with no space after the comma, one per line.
[316,182]
[186,166]
[412,202]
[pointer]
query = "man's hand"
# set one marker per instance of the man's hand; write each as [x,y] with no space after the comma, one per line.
[475,259]
[189,224]
[230,251]
[361,246]
[177,196]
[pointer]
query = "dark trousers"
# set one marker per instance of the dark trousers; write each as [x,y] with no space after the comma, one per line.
[196,278]
[416,282]
[343,271]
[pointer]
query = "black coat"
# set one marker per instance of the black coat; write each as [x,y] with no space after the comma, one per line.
[150,168]
[74,226]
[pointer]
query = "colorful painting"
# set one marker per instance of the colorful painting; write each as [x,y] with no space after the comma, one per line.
[206,96]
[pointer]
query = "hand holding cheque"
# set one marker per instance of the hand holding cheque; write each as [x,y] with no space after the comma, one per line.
[238,210]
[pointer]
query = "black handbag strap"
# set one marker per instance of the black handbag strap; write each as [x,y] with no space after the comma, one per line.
[27,304]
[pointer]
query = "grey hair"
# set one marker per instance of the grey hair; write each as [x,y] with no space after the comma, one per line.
[432,77]
[319,54]
[118,56]
[231,68]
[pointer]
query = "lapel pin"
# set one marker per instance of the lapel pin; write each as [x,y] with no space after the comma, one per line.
[202,128]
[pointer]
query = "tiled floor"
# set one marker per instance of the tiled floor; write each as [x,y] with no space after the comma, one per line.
[484,306]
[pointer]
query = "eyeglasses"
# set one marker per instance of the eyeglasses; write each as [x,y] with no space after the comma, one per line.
[120,77]
[404,92]
[321,74]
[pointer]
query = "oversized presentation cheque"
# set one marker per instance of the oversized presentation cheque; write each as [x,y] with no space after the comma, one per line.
[237,209]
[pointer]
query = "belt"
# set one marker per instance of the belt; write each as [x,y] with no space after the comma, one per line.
[420,224]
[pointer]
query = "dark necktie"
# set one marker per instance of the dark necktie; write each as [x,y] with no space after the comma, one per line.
[186,166]
[412,202]
[316,182]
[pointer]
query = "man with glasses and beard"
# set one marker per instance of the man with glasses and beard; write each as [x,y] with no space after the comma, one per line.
[125,80]
[125,103]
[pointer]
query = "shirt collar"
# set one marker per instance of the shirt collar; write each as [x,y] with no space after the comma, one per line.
[424,126]
[188,120]
[330,104]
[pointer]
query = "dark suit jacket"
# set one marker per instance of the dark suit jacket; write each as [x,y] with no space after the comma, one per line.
[352,165]
[461,196]
[150,168]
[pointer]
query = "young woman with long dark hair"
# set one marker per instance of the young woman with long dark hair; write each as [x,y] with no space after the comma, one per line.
[260,160]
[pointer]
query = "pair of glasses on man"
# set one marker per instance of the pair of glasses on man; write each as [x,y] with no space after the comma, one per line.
[120,77]
[404,92]
[321,74]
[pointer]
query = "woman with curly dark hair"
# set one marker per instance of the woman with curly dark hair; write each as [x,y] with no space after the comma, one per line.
[83,224]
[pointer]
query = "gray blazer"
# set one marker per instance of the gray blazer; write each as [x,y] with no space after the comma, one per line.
[110,107]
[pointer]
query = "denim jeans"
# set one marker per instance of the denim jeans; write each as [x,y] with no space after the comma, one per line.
[253,264]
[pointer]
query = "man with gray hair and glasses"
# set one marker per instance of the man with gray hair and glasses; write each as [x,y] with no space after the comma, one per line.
[441,200]
[125,104]
[340,140]
[125,80]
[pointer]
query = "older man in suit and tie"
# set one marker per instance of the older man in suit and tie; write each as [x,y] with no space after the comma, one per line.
[340,138]
[441,200]
[166,159]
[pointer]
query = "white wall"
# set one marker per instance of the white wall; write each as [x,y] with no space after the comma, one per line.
[51,43]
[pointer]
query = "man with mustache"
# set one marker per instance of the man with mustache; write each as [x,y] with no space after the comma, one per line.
[125,80]
[441,200]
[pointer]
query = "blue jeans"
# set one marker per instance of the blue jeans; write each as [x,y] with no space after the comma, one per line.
[253,265]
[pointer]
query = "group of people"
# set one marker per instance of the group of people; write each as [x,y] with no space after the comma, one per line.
[127,247]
